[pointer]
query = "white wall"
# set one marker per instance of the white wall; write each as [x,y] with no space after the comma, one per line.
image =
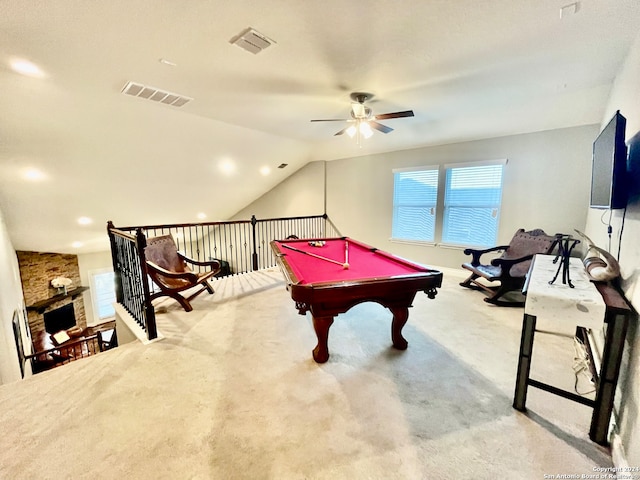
[546,185]
[11,298]
[300,194]
[625,96]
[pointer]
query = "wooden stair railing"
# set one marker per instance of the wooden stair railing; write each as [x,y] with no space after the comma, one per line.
[239,246]
[70,351]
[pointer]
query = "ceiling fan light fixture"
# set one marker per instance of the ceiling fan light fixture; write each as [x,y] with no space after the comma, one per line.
[365,129]
[359,110]
[362,119]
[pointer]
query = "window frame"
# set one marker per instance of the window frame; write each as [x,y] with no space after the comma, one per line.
[447,168]
[95,293]
[423,168]
[440,202]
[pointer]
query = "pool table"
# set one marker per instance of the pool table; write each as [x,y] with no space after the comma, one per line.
[328,276]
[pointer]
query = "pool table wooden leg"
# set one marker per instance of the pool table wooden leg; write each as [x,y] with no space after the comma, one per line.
[400,317]
[321,326]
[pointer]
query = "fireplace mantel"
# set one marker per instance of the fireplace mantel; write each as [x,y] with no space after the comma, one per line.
[42,305]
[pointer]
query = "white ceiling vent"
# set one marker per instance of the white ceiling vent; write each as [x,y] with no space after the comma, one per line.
[251,40]
[155,94]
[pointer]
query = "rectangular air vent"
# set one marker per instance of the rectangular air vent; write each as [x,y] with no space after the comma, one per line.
[251,40]
[155,94]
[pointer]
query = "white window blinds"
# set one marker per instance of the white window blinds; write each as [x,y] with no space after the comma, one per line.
[472,205]
[104,294]
[415,195]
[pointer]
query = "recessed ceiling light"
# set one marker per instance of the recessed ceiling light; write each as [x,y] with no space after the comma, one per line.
[77,244]
[227,167]
[25,67]
[265,170]
[85,221]
[167,62]
[33,174]
[202,216]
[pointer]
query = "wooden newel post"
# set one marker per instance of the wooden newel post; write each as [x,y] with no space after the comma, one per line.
[254,255]
[116,265]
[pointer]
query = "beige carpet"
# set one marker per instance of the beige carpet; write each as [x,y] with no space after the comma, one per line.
[233,393]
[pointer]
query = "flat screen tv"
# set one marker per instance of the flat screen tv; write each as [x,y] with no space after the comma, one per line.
[609,171]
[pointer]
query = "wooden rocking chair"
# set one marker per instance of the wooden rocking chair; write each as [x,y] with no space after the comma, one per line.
[168,269]
[510,269]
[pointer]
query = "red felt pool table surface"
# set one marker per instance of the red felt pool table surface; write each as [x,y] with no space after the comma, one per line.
[324,287]
[364,262]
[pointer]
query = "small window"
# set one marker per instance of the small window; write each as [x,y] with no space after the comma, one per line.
[472,205]
[103,293]
[415,195]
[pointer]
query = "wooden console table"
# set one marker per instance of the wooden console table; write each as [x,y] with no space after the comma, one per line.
[586,305]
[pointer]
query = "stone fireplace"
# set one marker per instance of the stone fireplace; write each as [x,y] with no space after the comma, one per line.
[47,308]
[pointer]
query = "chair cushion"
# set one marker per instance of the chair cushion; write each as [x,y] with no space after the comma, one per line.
[489,272]
[528,243]
[163,252]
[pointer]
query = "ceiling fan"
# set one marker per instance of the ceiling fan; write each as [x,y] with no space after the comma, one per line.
[362,118]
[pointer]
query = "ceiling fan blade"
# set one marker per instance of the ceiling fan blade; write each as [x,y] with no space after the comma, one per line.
[341,132]
[386,116]
[380,127]
[331,120]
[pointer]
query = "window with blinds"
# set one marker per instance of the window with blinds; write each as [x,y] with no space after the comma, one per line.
[103,294]
[415,196]
[472,205]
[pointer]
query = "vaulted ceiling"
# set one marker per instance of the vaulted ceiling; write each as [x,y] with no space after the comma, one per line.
[73,145]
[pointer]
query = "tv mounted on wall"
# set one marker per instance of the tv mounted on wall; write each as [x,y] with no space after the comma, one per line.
[609,171]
